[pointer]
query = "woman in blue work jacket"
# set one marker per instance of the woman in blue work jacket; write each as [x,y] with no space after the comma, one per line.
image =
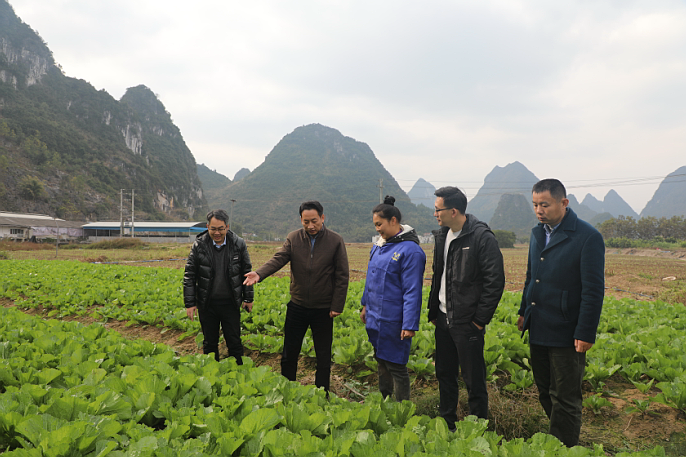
[392,298]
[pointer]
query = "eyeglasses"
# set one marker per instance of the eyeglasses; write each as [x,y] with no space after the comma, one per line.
[438,210]
[213,229]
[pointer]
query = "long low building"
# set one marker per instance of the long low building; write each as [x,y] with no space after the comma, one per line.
[155,232]
[37,227]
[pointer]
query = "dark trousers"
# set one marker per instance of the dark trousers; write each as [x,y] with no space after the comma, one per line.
[460,346]
[393,377]
[228,315]
[558,373]
[298,319]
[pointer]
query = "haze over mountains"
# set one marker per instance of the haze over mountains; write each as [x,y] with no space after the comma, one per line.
[66,149]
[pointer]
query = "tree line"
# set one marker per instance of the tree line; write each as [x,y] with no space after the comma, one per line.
[670,230]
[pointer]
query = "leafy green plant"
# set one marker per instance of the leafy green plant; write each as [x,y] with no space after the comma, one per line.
[673,393]
[597,374]
[520,380]
[643,387]
[424,368]
[596,402]
[72,390]
[641,406]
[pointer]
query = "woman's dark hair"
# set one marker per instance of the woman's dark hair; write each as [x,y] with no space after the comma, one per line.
[386,210]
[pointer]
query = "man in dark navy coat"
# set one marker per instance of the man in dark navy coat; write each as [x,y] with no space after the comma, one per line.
[561,305]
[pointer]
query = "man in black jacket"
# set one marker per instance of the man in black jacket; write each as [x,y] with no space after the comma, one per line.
[213,284]
[467,283]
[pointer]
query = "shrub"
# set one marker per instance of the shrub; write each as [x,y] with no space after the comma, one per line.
[505,238]
[619,243]
[31,188]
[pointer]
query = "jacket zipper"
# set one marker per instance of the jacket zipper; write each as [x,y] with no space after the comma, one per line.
[309,272]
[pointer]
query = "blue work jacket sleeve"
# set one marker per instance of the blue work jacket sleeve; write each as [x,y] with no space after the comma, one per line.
[592,288]
[412,273]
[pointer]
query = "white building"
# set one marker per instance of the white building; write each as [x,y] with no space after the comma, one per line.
[35,227]
[154,232]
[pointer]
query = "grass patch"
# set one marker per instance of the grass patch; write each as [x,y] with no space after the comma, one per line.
[121,243]
[25,246]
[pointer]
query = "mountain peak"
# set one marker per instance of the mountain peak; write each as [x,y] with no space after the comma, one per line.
[422,193]
[513,178]
[315,162]
[668,200]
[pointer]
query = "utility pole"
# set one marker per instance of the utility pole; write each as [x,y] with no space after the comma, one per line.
[132,198]
[121,213]
[380,186]
[57,241]
[231,215]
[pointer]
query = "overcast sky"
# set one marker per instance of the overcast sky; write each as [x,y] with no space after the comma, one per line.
[590,92]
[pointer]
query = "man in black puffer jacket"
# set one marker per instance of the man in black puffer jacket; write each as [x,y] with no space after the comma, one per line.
[468,281]
[213,284]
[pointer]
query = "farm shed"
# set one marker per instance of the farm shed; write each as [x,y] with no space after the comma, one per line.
[36,227]
[154,232]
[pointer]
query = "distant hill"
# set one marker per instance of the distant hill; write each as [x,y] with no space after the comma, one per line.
[593,203]
[612,203]
[422,193]
[581,210]
[513,178]
[213,184]
[668,199]
[240,174]
[315,162]
[66,149]
[210,179]
[514,213]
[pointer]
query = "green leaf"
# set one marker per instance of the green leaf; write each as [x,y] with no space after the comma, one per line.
[259,420]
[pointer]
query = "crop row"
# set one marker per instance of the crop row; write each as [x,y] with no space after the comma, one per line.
[74,390]
[645,342]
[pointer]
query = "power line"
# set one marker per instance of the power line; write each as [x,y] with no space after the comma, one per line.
[493,190]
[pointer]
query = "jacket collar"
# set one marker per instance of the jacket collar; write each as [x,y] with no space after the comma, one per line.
[568,224]
[469,225]
[407,234]
[204,237]
[318,236]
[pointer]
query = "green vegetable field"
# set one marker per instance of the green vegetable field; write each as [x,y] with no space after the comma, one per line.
[70,390]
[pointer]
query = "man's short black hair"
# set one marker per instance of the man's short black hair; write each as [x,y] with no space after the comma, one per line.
[453,198]
[554,186]
[218,214]
[312,204]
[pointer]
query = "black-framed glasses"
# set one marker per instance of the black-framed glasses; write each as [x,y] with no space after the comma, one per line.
[438,210]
